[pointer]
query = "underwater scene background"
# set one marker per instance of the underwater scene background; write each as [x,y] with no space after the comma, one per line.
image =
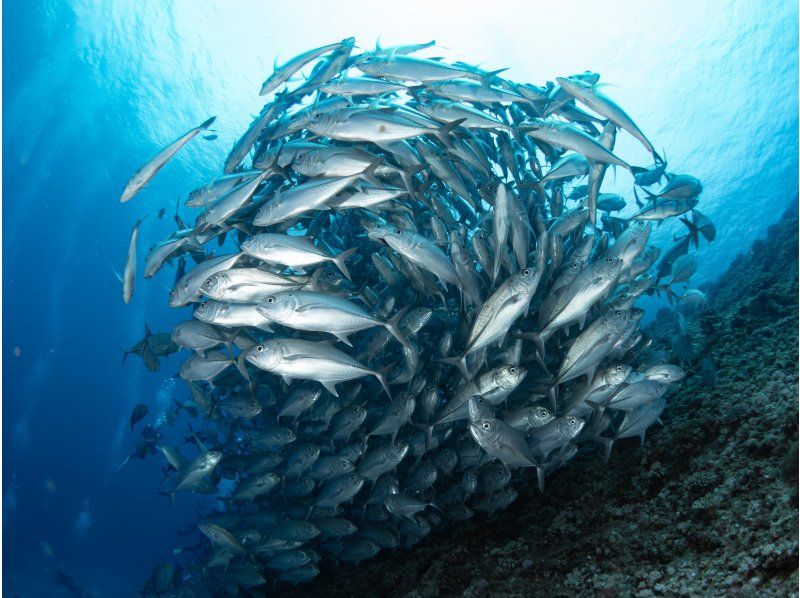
[92,89]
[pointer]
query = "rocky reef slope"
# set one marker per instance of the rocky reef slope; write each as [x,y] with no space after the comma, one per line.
[708,506]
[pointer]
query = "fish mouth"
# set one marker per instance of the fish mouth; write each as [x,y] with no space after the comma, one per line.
[375,235]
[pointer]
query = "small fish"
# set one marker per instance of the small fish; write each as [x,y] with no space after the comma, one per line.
[149,169]
[129,275]
[138,414]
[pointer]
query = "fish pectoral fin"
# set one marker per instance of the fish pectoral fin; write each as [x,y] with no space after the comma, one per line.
[309,306]
[331,387]
[343,338]
[117,274]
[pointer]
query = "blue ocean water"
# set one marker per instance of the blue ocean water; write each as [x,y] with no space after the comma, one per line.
[91,89]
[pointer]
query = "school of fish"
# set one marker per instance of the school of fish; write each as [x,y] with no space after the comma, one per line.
[405,295]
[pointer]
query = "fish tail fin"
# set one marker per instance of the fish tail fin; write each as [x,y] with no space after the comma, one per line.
[407,177]
[608,443]
[552,392]
[178,407]
[368,174]
[381,376]
[597,408]
[205,124]
[211,412]
[541,362]
[443,132]
[393,326]
[124,355]
[486,78]
[496,266]
[650,195]
[242,367]
[539,339]
[693,231]
[427,429]
[671,295]
[541,475]
[459,362]
[418,191]
[639,202]
[339,260]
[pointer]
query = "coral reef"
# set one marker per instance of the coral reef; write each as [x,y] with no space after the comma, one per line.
[708,505]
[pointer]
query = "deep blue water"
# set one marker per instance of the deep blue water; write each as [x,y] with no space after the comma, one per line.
[91,89]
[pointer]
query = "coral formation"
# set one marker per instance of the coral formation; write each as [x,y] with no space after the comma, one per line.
[708,506]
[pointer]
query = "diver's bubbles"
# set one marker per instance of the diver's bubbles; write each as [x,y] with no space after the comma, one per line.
[83,521]
[10,497]
[47,549]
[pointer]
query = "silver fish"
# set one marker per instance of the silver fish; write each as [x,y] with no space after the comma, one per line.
[149,169]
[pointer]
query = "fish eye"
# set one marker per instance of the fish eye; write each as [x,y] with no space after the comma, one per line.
[512,370]
[610,260]
[619,368]
[486,425]
[344,462]
[260,348]
[397,231]
[619,314]
[571,421]
[526,272]
[208,282]
[270,300]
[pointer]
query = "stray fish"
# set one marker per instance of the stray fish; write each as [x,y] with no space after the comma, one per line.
[149,169]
